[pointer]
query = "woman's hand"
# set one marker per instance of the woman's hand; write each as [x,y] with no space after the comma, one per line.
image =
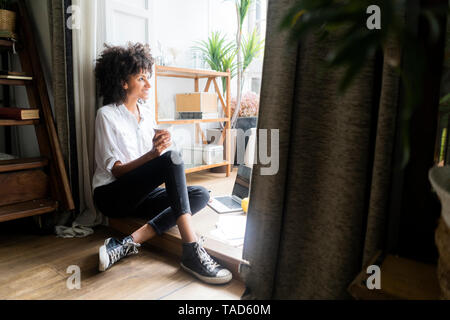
[161,141]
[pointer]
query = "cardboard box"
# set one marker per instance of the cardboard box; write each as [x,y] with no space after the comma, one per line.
[196,102]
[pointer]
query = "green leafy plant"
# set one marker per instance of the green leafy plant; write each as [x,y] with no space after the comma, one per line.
[242,7]
[252,47]
[219,54]
[445,101]
[444,110]
[344,22]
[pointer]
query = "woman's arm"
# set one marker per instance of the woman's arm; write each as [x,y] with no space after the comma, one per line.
[161,141]
[119,169]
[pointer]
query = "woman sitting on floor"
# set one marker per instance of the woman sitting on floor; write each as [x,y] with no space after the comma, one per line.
[131,164]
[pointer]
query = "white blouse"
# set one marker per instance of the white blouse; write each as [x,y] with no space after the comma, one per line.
[119,137]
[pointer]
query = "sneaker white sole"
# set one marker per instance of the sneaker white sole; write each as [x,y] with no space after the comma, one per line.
[210,280]
[103,259]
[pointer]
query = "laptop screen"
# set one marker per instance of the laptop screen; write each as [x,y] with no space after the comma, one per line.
[242,183]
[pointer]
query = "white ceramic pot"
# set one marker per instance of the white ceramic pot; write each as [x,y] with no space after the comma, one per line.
[440,180]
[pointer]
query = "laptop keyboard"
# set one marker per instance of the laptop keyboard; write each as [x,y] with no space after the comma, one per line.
[229,202]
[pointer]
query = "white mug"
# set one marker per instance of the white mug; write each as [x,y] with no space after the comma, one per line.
[169,128]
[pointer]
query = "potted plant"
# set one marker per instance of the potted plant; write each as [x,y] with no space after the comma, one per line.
[248,113]
[247,119]
[7,16]
[251,48]
[222,55]
[444,112]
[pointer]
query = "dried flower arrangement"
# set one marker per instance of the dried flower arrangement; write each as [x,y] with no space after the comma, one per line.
[249,105]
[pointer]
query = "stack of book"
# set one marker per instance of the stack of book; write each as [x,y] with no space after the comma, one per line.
[19,113]
[198,115]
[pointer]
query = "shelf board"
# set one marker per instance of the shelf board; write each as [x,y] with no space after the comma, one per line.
[163,71]
[6,43]
[7,122]
[15,82]
[22,164]
[27,209]
[188,121]
[206,167]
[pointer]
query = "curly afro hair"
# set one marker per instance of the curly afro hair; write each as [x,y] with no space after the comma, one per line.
[114,67]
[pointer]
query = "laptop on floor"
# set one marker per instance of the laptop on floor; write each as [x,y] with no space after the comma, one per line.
[228,204]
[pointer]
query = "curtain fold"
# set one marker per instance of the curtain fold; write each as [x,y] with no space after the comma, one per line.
[59,87]
[59,83]
[84,15]
[380,188]
[311,226]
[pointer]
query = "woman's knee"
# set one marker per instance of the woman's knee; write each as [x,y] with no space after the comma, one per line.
[173,157]
[198,198]
[202,193]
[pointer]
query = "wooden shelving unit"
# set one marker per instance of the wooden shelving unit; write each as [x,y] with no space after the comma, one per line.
[33,186]
[195,74]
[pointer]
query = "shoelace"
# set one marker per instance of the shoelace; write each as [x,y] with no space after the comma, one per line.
[205,258]
[124,250]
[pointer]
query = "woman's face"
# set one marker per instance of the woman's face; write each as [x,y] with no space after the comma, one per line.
[138,86]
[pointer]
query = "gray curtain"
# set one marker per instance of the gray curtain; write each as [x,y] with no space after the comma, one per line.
[57,31]
[57,27]
[313,225]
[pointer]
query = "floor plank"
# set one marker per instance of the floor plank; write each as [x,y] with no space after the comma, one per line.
[196,290]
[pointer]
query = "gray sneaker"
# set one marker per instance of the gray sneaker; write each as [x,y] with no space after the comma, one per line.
[199,263]
[113,250]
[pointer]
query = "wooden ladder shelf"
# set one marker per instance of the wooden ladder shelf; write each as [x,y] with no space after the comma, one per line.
[35,186]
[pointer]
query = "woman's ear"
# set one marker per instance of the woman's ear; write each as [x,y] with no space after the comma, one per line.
[125,85]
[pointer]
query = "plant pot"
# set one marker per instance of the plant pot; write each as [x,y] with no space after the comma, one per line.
[440,180]
[246,123]
[7,20]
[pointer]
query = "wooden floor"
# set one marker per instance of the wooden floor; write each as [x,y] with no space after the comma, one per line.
[35,267]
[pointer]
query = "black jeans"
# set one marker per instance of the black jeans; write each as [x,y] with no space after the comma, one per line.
[136,193]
